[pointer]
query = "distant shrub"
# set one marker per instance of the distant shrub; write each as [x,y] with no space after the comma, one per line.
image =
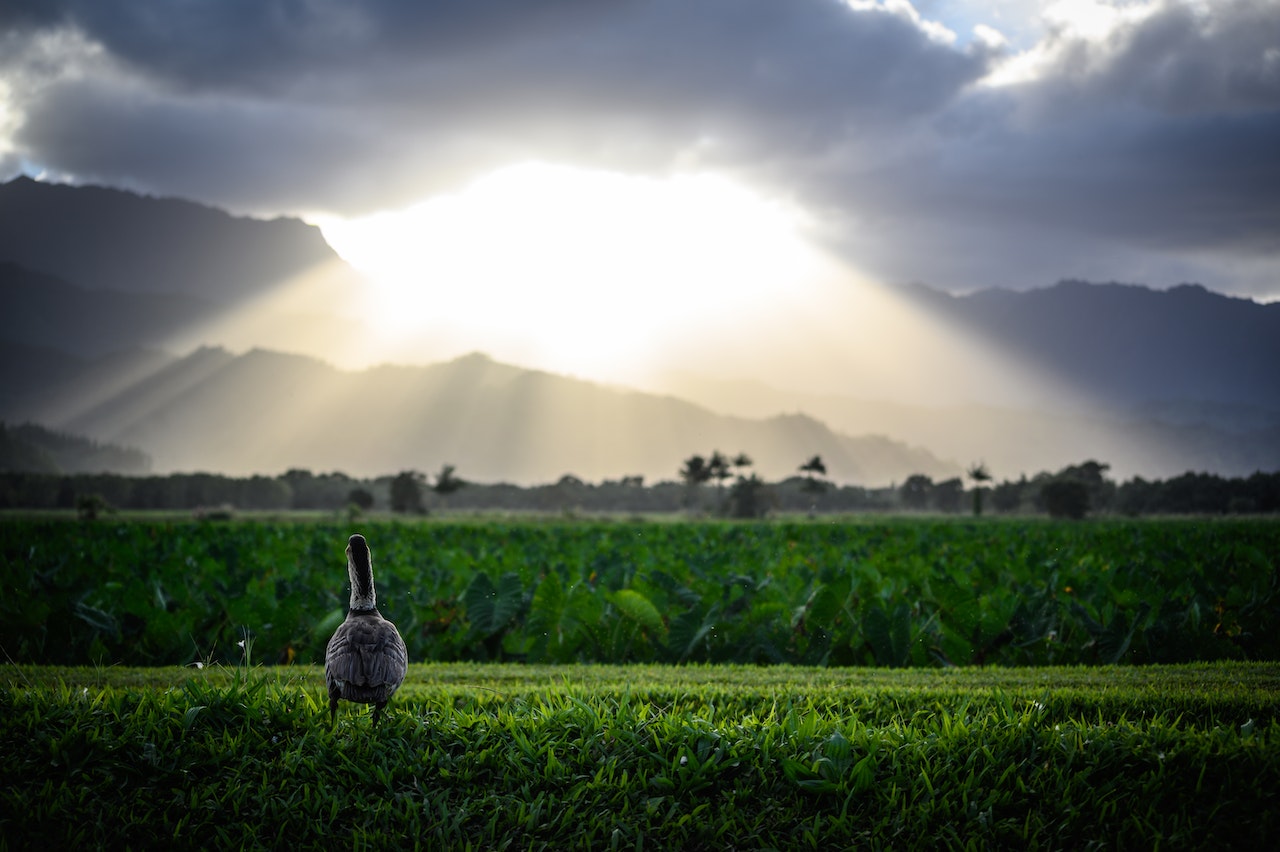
[406,492]
[214,513]
[90,507]
[750,498]
[1065,498]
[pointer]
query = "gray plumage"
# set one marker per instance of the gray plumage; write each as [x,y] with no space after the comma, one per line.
[366,659]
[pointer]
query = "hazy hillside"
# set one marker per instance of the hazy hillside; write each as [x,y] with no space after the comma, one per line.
[1151,441]
[1154,382]
[28,448]
[267,412]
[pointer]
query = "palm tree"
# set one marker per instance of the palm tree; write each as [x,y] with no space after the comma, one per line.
[447,482]
[694,472]
[980,475]
[718,469]
[812,469]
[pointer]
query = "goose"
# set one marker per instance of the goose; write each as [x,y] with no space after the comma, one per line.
[366,659]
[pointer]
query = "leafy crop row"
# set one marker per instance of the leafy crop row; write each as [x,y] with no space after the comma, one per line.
[885,593]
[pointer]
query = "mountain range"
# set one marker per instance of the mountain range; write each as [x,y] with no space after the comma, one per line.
[125,314]
[1125,346]
[265,411]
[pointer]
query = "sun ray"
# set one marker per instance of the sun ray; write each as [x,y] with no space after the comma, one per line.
[589,273]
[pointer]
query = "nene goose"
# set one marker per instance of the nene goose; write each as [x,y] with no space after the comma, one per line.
[366,658]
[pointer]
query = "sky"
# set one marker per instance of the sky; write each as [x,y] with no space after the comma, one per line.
[653,163]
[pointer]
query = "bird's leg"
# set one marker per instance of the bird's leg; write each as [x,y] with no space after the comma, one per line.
[377,712]
[333,711]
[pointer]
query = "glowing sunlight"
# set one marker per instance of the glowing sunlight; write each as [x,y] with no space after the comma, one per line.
[586,272]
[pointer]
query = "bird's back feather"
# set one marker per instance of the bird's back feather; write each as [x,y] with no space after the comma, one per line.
[366,659]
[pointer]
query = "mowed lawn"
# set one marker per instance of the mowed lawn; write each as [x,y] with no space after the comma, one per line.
[493,756]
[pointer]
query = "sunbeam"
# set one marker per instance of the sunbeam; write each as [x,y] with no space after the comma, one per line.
[584,272]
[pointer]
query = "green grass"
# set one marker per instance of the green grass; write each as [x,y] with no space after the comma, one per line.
[846,752]
[531,757]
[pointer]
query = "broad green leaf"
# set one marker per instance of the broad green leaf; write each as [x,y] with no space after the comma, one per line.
[639,609]
[688,631]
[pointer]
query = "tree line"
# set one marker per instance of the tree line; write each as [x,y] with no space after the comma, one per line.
[715,484]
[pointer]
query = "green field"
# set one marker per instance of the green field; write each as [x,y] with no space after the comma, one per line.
[489,756]
[882,683]
[889,593]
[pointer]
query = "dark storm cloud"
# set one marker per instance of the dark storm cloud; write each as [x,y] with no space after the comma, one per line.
[1146,155]
[1183,58]
[1141,148]
[262,44]
[1164,133]
[431,92]
[818,50]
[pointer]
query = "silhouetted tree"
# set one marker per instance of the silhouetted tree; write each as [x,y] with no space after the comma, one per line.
[90,506]
[1065,498]
[1136,496]
[1008,496]
[749,498]
[948,494]
[718,469]
[915,492]
[1092,475]
[406,492]
[980,476]
[1086,489]
[569,493]
[812,469]
[263,492]
[694,473]
[361,498]
[447,482]
[299,481]
[1190,493]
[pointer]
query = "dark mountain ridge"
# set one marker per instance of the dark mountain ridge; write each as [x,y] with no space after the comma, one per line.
[110,239]
[1127,345]
[43,310]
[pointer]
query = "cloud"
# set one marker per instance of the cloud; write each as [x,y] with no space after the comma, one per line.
[1171,56]
[1137,143]
[1141,133]
[412,86]
[1161,128]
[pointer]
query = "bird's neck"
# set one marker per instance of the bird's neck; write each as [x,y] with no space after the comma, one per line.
[363,596]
